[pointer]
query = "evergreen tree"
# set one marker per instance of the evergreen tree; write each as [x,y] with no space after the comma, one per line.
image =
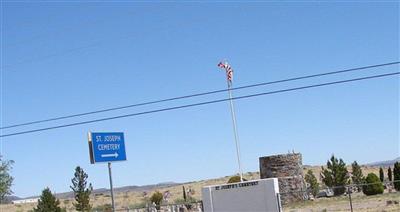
[335,175]
[357,176]
[390,174]
[48,202]
[381,175]
[81,190]
[313,183]
[373,185]
[396,176]
[5,178]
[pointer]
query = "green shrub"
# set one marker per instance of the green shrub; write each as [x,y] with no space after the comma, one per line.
[235,179]
[157,198]
[375,185]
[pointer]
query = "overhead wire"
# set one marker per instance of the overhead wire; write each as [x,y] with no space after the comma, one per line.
[199,104]
[200,94]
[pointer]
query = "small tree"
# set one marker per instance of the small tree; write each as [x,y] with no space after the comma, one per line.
[396,176]
[356,175]
[335,175]
[373,185]
[81,190]
[48,202]
[157,198]
[381,175]
[313,183]
[5,178]
[390,174]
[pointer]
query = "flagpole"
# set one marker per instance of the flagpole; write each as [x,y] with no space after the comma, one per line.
[235,129]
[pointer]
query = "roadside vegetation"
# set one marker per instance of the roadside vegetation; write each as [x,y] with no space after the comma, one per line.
[379,195]
[81,190]
[48,202]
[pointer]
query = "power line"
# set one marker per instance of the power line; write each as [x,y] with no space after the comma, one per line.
[199,94]
[199,104]
[56,54]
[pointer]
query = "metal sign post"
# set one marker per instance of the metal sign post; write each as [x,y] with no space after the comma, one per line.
[111,187]
[107,147]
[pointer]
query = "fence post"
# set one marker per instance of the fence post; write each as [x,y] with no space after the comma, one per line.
[278,200]
[351,203]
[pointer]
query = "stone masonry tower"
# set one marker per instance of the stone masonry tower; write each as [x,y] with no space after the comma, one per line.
[288,169]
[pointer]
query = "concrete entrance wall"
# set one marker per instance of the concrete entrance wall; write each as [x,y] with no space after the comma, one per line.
[252,196]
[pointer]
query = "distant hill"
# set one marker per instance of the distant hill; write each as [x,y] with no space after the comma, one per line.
[66,195]
[146,187]
[9,199]
[384,163]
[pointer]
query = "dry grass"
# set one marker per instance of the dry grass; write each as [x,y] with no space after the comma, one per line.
[129,199]
[360,202]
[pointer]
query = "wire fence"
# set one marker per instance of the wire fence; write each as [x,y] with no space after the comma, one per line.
[379,196]
[351,197]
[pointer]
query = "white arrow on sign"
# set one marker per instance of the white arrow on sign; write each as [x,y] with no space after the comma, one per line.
[109,155]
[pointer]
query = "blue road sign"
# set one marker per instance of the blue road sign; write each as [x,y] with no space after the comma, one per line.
[106,147]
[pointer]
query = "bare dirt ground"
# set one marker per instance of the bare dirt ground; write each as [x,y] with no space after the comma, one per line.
[123,200]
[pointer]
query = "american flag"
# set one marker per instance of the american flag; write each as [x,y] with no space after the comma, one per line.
[228,70]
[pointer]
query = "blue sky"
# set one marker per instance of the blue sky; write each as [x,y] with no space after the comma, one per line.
[65,58]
